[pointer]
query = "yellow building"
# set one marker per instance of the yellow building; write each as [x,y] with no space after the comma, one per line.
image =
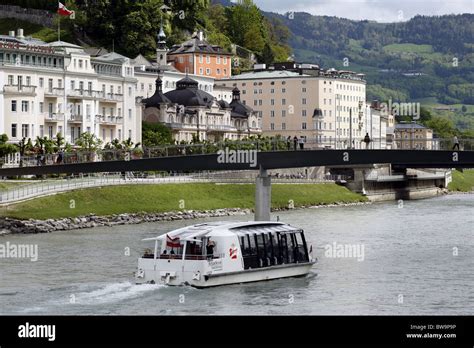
[413,136]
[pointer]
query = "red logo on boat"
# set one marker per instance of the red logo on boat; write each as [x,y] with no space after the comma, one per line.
[233,252]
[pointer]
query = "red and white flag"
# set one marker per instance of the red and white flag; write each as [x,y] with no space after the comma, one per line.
[172,242]
[63,11]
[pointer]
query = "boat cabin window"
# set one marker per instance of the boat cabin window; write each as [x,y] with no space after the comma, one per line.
[195,250]
[273,248]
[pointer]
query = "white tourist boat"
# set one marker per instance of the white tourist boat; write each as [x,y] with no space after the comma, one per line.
[219,253]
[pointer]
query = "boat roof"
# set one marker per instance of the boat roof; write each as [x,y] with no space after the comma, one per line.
[226,228]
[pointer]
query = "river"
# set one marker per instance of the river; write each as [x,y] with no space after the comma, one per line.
[418,259]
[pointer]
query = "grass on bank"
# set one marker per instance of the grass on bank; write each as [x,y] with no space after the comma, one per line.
[161,198]
[462,181]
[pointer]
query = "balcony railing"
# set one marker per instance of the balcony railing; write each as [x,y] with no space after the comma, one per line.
[108,96]
[108,119]
[86,93]
[16,89]
[58,92]
[75,118]
[219,127]
[53,117]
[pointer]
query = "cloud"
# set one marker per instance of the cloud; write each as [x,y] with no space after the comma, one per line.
[379,10]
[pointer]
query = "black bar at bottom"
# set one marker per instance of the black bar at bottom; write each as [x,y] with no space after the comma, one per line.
[292,331]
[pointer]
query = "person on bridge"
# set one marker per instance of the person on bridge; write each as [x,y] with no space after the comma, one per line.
[295,143]
[301,142]
[456,142]
[367,140]
[288,143]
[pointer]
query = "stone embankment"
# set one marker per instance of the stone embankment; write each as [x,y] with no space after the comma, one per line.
[15,226]
[9,225]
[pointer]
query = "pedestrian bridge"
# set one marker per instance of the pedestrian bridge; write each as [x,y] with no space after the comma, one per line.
[263,160]
[252,160]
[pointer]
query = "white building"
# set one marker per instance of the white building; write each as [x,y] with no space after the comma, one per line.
[51,88]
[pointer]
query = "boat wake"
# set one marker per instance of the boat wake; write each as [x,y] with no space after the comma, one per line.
[114,292]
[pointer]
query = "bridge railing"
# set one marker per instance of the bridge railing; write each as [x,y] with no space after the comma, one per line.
[264,145]
[46,187]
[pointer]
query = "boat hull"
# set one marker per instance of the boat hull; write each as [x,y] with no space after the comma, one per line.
[245,276]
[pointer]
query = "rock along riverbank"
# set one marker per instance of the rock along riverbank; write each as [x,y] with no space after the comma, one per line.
[17,226]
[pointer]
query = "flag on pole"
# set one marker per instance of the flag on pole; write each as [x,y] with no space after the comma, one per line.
[63,11]
[172,242]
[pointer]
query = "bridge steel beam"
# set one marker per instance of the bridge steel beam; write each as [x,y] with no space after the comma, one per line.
[266,160]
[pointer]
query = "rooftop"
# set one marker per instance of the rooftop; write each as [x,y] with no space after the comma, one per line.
[412,125]
[266,74]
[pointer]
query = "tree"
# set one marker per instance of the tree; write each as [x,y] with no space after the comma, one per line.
[155,134]
[267,56]
[88,142]
[5,147]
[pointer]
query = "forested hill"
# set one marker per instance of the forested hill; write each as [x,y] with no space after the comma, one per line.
[425,57]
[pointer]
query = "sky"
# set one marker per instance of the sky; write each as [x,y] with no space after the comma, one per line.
[378,10]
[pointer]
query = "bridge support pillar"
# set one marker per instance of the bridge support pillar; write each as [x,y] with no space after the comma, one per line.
[263,196]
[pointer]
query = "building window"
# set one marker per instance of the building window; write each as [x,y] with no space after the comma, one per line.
[41,131]
[24,106]
[283,113]
[50,132]
[208,59]
[225,72]
[272,113]
[218,71]
[13,130]
[303,125]
[283,126]
[255,102]
[14,105]
[208,71]
[24,130]
[303,89]
[304,101]
[218,59]
[129,114]
[303,113]
[41,107]
[283,102]
[10,80]
[272,126]
[283,90]
[129,91]
[225,61]
[272,101]
[130,133]
[41,82]
[272,90]
[201,71]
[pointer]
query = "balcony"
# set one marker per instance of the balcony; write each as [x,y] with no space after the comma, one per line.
[21,90]
[75,119]
[221,128]
[108,120]
[108,96]
[81,93]
[53,117]
[54,92]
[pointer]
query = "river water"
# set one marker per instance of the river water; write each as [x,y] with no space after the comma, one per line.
[417,259]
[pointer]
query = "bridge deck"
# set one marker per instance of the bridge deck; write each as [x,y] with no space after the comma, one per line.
[266,160]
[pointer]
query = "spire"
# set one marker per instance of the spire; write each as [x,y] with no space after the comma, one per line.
[161,37]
